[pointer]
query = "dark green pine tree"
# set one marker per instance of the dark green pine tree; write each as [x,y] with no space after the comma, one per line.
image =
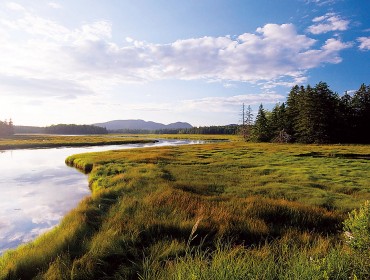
[361,107]
[346,122]
[261,131]
[318,115]
[305,107]
[292,111]
[278,124]
[327,114]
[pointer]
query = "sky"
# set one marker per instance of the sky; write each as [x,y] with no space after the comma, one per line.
[196,61]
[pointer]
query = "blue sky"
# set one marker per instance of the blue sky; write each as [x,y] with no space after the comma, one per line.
[91,61]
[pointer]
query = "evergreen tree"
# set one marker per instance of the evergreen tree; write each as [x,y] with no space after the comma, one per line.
[261,130]
[327,114]
[292,111]
[361,108]
[305,107]
[346,129]
[317,115]
[278,124]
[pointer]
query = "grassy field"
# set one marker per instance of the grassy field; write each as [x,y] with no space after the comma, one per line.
[26,141]
[229,210]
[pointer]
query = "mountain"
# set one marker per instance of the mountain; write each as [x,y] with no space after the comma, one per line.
[142,125]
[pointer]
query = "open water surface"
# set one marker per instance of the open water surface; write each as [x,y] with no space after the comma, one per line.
[37,189]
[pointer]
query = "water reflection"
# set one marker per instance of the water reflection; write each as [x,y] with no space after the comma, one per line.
[37,189]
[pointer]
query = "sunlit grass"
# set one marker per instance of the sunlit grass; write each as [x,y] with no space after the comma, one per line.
[49,141]
[262,211]
[278,260]
[24,141]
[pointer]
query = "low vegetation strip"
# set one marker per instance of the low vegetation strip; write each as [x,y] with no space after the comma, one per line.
[28,141]
[215,211]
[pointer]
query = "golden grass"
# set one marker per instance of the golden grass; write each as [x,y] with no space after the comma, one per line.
[162,212]
[49,141]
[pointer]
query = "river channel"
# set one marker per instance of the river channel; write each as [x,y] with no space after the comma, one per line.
[37,189]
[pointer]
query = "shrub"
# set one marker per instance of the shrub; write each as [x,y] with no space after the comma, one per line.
[357,229]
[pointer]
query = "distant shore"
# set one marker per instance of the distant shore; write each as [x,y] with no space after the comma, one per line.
[42,141]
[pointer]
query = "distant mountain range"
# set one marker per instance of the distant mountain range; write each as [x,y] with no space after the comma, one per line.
[141,125]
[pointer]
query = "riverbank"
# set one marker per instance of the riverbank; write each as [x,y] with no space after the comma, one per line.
[219,211]
[36,141]
[37,188]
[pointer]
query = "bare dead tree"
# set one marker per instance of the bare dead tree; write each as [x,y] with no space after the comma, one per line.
[247,121]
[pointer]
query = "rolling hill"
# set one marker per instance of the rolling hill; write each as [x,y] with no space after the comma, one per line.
[141,125]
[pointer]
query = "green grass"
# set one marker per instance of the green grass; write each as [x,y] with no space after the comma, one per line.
[26,141]
[278,260]
[215,211]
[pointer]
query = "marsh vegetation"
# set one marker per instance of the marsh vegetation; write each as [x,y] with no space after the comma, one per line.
[26,141]
[230,210]
[37,189]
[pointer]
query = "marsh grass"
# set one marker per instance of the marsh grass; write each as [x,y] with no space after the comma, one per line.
[27,141]
[214,211]
[273,261]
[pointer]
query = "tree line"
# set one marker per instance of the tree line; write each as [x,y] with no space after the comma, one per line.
[75,129]
[314,115]
[6,128]
[223,129]
[309,115]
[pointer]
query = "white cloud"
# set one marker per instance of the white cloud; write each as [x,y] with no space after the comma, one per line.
[208,104]
[328,22]
[329,53]
[332,45]
[43,54]
[15,85]
[351,91]
[364,43]
[229,85]
[221,104]
[15,6]
[37,26]
[96,31]
[55,5]
[321,2]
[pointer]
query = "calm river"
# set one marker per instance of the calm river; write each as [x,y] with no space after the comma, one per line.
[37,189]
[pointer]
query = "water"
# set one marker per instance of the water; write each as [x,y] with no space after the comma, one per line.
[37,189]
